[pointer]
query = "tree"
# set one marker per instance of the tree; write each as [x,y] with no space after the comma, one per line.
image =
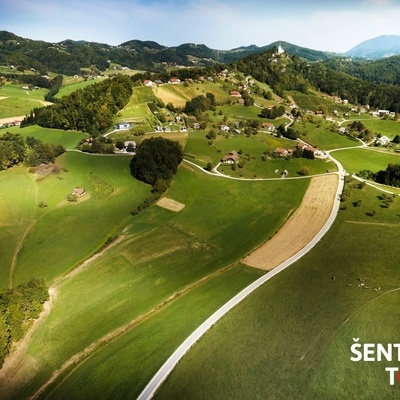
[396,139]
[156,158]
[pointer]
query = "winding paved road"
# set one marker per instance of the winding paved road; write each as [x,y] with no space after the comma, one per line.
[173,360]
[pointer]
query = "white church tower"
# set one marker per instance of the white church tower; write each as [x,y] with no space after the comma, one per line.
[280,50]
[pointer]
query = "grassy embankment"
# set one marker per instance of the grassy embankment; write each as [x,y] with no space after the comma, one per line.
[291,338]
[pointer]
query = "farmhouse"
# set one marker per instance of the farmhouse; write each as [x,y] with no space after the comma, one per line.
[224,128]
[267,126]
[123,126]
[148,83]
[235,93]
[231,158]
[382,141]
[174,81]
[279,151]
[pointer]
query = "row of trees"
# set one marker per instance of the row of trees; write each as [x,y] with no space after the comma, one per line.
[15,149]
[17,307]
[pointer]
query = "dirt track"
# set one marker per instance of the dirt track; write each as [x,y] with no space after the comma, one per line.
[300,228]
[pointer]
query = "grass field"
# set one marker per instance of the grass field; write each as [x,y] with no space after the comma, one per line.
[15,102]
[252,148]
[74,85]
[63,225]
[356,160]
[322,138]
[291,338]
[389,128]
[68,139]
[163,252]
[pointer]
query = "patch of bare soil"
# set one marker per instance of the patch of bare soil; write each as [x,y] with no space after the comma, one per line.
[170,204]
[300,228]
[44,170]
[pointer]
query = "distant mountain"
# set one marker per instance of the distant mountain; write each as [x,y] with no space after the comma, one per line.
[68,56]
[377,48]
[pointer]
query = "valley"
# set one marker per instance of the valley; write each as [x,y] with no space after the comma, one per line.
[132,275]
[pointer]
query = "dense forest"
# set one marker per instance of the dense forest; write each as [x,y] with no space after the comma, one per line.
[88,110]
[296,74]
[18,306]
[386,71]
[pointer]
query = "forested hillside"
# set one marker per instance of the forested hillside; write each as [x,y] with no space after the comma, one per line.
[385,71]
[68,57]
[294,73]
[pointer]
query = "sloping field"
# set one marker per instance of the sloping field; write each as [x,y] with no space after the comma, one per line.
[168,96]
[300,228]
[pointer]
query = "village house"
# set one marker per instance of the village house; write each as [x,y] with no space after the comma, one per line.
[235,93]
[148,83]
[174,81]
[123,126]
[224,128]
[280,152]
[382,141]
[267,126]
[231,158]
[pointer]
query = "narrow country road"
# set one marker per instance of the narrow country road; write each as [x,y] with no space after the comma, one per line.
[173,360]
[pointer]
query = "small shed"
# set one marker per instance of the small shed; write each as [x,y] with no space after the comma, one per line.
[79,192]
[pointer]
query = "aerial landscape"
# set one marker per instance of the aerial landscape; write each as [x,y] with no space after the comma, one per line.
[199,201]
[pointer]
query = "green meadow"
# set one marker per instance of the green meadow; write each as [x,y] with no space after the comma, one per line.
[291,338]
[356,160]
[68,139]
[320,136]
[252,150]
[73,85]
[164,255]
[61,225]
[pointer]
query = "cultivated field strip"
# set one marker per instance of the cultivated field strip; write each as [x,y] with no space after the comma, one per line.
[301,227]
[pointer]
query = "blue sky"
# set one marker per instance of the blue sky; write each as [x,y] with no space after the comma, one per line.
[332,25]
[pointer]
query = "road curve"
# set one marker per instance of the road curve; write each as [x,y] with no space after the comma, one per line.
[173,360]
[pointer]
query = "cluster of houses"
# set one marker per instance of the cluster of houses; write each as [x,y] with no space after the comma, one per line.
[281,152]
[233,156]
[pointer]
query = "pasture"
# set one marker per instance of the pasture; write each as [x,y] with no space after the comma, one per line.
[255,160]
[320,136]
[356,160]
[68,139]
[16,102]
[64,225]
[389,127]
[291,338]
[163,255]
[71,85]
